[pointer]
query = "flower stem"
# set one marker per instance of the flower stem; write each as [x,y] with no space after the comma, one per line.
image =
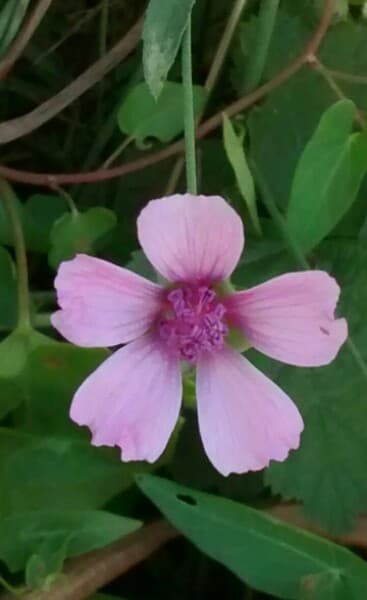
[24,319]
[211,81]
[189,116]
[266,22]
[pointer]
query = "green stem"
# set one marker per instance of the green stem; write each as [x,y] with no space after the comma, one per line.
[42,320]
[211,80]
[24,319]
[224,45]
[300,258]
[265,27]
[279,220]
[116,153]
[189,116]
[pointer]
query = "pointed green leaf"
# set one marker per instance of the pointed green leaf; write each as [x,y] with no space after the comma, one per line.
[328,176]
[165,23]
[267,554]
[233,145]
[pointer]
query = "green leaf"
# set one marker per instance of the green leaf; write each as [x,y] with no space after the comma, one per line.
[42,532]
[8,291]
[165,23]
[38,215]
[15,349]
[282,126]
[11,17]
[267,554]
[328,470]
[233,145]
[141,117]
[79,232]
[38,472]
[328,176]
[61,367]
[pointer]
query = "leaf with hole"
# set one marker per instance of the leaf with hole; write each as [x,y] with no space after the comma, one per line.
[165,23]
[267,554]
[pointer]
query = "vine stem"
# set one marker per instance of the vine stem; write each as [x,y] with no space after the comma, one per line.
[24,36]
[266,22]
[48,179]
[24,319]
[189,116]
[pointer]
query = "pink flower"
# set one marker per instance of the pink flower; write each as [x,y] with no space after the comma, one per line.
[133,399]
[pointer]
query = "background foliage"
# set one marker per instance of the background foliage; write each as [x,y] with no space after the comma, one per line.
[293,162]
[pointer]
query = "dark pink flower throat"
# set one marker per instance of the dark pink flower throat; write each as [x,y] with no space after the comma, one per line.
[193,322]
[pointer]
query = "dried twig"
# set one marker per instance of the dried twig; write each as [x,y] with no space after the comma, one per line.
[47,179]
[292,514]
[25,34]
[92,571]
[21,126]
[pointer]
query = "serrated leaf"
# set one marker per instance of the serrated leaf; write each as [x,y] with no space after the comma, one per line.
[165,23]
[328,176]
[327,473]
[233,145]
[79,232]
[267,554]
[78,532]
[141,117]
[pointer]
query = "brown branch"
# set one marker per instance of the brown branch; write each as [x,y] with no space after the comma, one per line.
[25,34]
[92,571]
[48,179]
[329,78]
[292,514]
[21,126]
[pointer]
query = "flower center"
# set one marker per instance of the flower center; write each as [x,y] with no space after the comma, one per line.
[193,322]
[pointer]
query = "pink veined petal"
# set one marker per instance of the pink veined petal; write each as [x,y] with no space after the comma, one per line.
[132,400]
[291,318]
[245,419]
[102,304]
[191,238]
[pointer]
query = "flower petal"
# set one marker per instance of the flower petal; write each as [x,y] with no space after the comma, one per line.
[191,238]
[245,419]
[102,304]
[291,318]
[132,400]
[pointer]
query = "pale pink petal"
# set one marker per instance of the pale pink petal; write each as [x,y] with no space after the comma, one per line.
[191,238]
[102,304]
[291,318]
[132,400]
[245,419]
